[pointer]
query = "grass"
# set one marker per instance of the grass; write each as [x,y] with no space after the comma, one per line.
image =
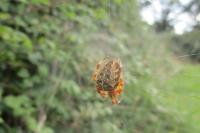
[182,94]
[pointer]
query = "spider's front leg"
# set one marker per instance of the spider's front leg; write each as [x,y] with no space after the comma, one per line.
[101,91]
[114,99]
[113,95]
[94,77]
[116,92]
[119,88]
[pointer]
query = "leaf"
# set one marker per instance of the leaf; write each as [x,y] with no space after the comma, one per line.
[38,2]
[100,13]
[21,105]
[43,70]
[1,120]
[27,83]
[35,57]
[4,16]
[23,73]
[119,2]
[15,39]
[71,87]
[32,123]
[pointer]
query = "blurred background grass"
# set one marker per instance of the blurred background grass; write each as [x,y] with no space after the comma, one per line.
[49,48]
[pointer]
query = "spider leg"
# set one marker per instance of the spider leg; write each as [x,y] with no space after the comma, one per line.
[101,92]
[114,99]
[119,88]
[114,93]
[94,77]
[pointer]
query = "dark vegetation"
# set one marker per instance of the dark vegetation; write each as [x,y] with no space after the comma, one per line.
[48,50]
[188,44]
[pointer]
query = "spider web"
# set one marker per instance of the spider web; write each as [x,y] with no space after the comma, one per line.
[108,8]
[188,55]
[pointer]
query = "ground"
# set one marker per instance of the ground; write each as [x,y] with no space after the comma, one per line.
[182,94]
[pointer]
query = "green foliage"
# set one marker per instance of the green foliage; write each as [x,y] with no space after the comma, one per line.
[38,2]
[188,44]
[48,51]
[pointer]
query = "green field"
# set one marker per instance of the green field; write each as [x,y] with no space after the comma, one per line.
[182,95]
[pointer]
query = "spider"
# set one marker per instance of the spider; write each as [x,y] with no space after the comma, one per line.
[108,78]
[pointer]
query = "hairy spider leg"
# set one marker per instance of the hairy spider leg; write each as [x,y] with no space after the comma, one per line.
[116,92]
[101,91]
[94,77]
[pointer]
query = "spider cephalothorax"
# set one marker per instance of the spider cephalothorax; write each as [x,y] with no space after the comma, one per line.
[108,78]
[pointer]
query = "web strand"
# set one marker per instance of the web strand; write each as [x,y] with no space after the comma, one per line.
[188,55]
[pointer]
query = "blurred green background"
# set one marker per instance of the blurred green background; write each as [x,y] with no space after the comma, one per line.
[49,49]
